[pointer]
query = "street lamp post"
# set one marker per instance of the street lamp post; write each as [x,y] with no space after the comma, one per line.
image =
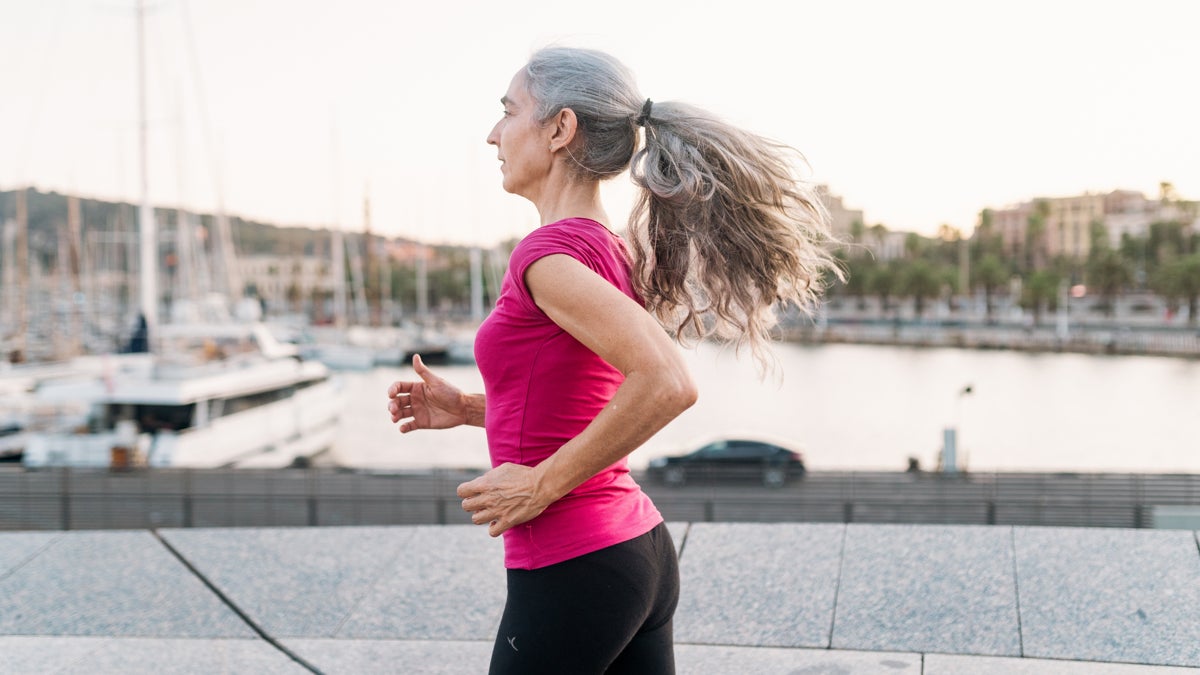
[950,436]
[1064,297]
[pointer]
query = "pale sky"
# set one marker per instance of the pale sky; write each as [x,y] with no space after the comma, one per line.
[919,113]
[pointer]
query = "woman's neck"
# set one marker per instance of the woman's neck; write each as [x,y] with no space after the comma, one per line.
[572,199]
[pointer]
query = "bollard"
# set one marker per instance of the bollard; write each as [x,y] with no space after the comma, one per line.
[949,450]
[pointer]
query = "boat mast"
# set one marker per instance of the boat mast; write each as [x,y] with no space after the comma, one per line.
[21,290]
[373,313]
[361,313]
[224,255]
[337,244]
[476,285]
[148,236]
[73,264]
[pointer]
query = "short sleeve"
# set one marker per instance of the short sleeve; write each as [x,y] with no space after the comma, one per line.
[545,241]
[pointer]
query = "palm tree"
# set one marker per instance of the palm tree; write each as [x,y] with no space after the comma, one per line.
[920,281]
[1109,273]
[858,272]
[989,274]
[878,233]
[1180,280]
[914,245]
[1165,282]
[881,281]
[856,231]
[1035,235]
[1040,293]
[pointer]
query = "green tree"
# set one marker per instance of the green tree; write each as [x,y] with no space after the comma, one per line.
[881,282]
[990,274]
[1133,250]
[985,239]
[1166,241]
[1109,273]
[1097,237]
[856,231]
[1040,293]
[920,281]
[914,245]
[878,233]
[858,272]
[1035,235]
[1180,280]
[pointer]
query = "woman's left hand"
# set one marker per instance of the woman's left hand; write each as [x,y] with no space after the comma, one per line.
[503,498]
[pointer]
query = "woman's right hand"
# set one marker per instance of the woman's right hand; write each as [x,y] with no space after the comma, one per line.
[431,403]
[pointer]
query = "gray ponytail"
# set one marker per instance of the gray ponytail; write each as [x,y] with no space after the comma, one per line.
[722,230]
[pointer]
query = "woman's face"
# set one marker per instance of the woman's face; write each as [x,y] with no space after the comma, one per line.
[522,145]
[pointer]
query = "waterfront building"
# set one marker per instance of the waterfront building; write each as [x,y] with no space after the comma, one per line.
[1050,227]
[841,219]
[285,281]
[889,245]
[1068,225]
[849,225]
[1010,224]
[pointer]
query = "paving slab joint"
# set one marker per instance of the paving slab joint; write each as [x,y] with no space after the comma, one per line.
[228,602]
[683,542]
[1012,541]
[837,588]
[21,563]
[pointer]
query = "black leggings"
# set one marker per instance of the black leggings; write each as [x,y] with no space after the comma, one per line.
[605,612]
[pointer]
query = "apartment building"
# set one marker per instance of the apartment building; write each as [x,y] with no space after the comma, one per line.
[282,279]
[1011,223]
[841,219]
[1062,226]
[1068,225]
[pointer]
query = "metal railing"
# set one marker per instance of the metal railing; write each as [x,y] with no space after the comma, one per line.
[67,499]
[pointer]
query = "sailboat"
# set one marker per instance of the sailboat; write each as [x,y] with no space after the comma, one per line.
[218,393]
[355,341]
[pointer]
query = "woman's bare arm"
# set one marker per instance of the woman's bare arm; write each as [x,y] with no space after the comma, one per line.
[657,388]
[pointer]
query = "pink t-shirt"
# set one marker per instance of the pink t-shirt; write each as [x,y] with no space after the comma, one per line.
[543,387]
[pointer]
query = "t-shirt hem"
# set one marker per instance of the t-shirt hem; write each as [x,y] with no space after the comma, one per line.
[583,547]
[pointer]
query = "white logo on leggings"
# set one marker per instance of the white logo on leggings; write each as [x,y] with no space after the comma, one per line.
[512,642]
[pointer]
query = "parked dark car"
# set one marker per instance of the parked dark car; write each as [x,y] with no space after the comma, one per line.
[730,460]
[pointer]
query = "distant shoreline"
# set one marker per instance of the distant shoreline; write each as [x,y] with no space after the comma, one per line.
[1085,339]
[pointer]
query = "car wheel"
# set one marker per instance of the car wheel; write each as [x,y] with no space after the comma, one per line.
[774,477]
[674,475]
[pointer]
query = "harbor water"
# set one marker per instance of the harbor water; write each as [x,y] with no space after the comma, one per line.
[864,407]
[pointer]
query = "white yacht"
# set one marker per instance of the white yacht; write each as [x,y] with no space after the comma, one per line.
[210,396]
[15,399]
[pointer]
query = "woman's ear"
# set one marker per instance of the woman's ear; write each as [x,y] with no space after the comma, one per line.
[563,128]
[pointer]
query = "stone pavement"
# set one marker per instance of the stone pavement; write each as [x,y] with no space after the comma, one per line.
[760,598]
